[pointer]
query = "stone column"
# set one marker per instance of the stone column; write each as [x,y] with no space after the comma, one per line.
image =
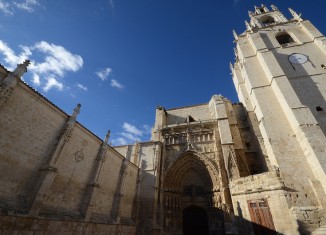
[115,211]
[48,172]
[135,208]
[88,204]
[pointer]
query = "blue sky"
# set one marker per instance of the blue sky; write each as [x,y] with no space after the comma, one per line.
[121,58]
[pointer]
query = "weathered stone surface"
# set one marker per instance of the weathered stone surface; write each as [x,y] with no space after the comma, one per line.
[259,164]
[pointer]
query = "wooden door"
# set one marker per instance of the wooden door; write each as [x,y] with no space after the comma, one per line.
[261,217]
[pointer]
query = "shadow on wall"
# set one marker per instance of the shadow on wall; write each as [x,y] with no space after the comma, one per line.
[307,88]
[246,227]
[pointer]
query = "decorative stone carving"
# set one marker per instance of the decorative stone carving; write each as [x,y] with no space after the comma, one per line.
[295,15]
[217,200]
[248,26]
[79,156]
[274,8]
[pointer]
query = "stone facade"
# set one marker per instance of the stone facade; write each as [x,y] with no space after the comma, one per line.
[255,167]
[55,174]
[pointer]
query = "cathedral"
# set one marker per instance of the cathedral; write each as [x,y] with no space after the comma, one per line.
[254,167]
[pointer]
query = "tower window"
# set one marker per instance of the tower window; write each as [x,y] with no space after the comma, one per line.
[268,20]
[284,39]
[318,108]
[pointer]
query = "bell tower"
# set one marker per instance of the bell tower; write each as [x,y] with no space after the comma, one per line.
[280,77]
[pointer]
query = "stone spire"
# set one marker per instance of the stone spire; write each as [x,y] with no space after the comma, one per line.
[107,137]
[12,78]
[295,15]
[231,67]
[72,118]
[235,35]
[274,8]
[248,26]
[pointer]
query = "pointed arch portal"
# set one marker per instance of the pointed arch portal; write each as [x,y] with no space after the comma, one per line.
[190,184]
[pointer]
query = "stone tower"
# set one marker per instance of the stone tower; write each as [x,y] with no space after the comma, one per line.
[280,77]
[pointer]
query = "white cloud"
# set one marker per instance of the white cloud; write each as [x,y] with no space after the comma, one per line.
[131,129]
[147,129]
[52,82]
[58,60]
[115,83]
[5,7]
[104,73]
[119,141]
[80,86]
[8,7]
[27,5]
[46,72]
[130,134]
[36,80]
[10,57]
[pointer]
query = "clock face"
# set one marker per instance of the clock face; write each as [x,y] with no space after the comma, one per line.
[297,58]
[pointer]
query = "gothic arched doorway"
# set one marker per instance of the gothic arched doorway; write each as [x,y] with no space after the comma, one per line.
[191,195]
[195,221]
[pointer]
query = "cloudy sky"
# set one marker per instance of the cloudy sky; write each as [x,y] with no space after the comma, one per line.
[122,58]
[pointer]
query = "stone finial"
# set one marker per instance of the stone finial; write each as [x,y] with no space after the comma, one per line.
[231,67]
[107,137]
[274,8]
[257,11]
[21,68]
[256,22]
[235,35]
[9,82]
[72,118]
[76,110]
[12,78]
[250,13]
[265,8]
[235,52]
[295,15]
[248,26]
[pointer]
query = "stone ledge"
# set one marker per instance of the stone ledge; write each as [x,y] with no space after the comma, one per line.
[268,181]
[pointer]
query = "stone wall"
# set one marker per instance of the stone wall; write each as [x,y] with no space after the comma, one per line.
[52,167]
[148,155]
[24,225]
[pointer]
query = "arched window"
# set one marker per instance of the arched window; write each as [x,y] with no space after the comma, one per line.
[284,38]
[268,20]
